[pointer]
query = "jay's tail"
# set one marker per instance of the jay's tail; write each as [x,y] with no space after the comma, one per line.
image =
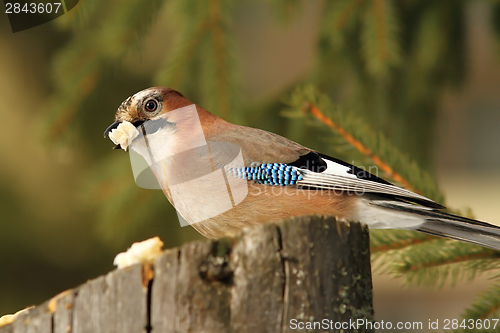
[404,215]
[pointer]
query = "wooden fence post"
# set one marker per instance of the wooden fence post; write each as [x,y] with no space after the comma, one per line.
[308,274]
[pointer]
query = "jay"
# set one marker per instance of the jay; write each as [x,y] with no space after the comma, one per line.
[266,176]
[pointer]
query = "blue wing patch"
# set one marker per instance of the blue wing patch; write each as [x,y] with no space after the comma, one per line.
[270,174]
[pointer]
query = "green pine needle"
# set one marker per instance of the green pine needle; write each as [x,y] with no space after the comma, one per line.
[380,37]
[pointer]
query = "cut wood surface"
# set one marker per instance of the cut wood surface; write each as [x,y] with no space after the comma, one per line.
[270,278]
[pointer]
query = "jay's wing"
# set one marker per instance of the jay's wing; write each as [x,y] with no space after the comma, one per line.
[317,171]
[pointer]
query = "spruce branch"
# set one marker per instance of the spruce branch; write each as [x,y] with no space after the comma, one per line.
[482,314]
[380,37]
[434,262]
[285,10]
[442,259]
[202,55]
[342,13]
[358,134]
[220,57]
[182,56]
[485,305]
[383,241]
[360,147]
[340,19]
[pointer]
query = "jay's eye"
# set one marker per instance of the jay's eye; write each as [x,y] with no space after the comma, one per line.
[151,105]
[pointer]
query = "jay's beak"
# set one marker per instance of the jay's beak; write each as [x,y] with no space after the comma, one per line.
[109,129]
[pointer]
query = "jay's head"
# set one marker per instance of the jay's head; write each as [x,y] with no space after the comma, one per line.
[146,105]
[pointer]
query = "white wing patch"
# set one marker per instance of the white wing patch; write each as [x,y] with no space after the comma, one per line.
[354,184]
[337,169]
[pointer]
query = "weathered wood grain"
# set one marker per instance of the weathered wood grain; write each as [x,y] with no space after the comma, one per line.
[202,297]
[164,293]
[258,281]
[328,272]
[35,320]
[116,302]
[302,270]
[7,328]
[63,316]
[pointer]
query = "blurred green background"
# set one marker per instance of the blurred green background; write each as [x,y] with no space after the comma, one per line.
[426,74]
